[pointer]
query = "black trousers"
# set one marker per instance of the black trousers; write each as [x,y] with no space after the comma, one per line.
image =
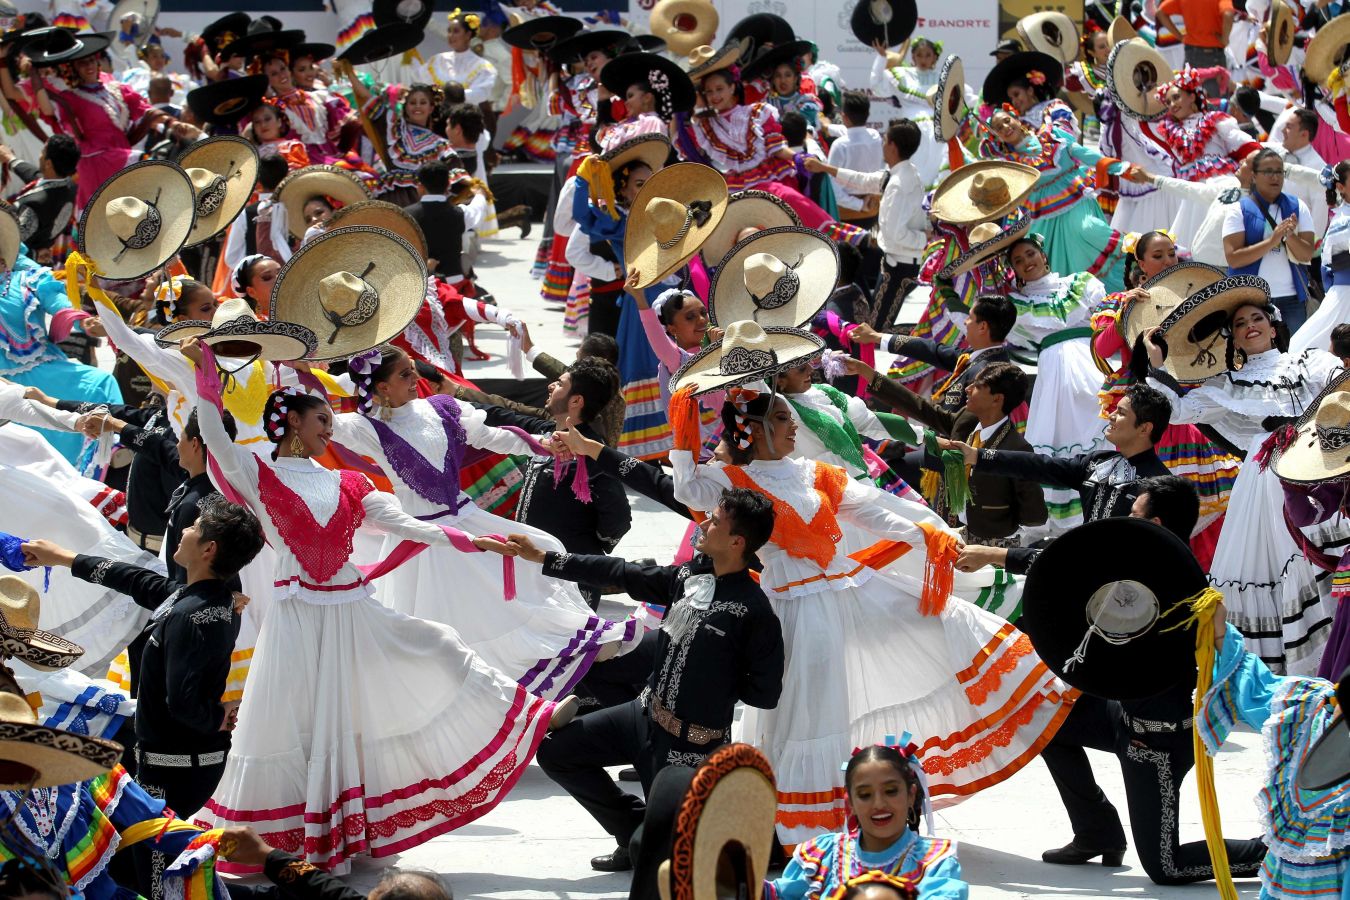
[1153,766]
[576,756]
[605,310]
[185,789]
[895,283]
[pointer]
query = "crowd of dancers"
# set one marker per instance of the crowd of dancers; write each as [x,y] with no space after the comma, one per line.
[291,587]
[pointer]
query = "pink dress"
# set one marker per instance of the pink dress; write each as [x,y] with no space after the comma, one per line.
[98,117]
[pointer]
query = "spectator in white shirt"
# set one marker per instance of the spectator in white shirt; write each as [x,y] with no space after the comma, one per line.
[1295,144]
[902,225]
[1270,233]
[858,148]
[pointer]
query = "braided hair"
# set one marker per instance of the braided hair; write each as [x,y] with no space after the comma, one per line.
[743,406]
[280,404]
[369,369]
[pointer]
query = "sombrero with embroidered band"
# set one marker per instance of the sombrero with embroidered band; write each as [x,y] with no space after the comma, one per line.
[1050,32]
[669,82]
[137,220]
[51,46]
[384,215]
[20,636]
[11,235]
[988,239]
[416,13]
[727,815]
[303,185]
[982,192]
[1026,64]
[704,60]
[747,352]
[890,21]
[1196,330]
[227,101]
[673,214]
[38,756]
[236,331]
[759,210]
[356,288]
[1167,290]
[382,42]
[949,98]
[1320,449]
[1114,624]
[223,171]
[542,33]
[763,65]
[225,31]
[1328,49]
[1280,28]
[263,36]
[1133,72]
[780,276]
[684,24]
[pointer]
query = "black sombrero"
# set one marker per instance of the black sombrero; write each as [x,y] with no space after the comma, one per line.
[1105,608]
[262,38]
[55,45]
[663,74]
[760,32]
[227,101]
[763,65]
[416,13]
[609,41]
[541,34]
[891,21]
[382,42]
[225,30]
[314,50]
[1020,65]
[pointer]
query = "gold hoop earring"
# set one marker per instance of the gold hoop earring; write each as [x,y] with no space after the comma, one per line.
[297,446]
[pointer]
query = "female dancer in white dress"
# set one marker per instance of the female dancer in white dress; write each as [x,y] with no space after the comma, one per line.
[365,731]
[546,637]
[1054,318]
[1270,590]
[978,699]
[1315,334]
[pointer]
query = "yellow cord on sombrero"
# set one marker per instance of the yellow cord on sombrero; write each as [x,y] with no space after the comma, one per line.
[597,174]
[1203,606]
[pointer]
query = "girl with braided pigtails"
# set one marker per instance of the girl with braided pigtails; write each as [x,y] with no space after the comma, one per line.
[413,134]
[547,637]
[858,613]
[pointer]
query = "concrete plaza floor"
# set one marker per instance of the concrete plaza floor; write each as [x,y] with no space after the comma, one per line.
[538,842]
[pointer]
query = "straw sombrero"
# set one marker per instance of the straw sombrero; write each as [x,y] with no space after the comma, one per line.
[1168,290]
[1021,65]
[891,21]
[1320,450]
[759,210]
[1133,72]
[1280,28]
[540,34]
[11,234]
[303,185]
[576,48]
[727,814]
[982,192]
[36,756]
[1327,763]
[652,150]
[61,45]
[20,637]
[670,83]
[356,288]
[1050,32]
[1103,622]
[764,64]
[236,331]
[383,215]
[672,216]
[223,171]
[1196,331]
[703,60]
[684,24]
[382,42]
[949,98]
[138,220]
[1119,30]
[987,239]
[747,352]
[1328,49]
[781,276]
[227,101]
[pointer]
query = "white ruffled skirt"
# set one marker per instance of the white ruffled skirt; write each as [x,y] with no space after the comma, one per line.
[546,638]
[368,731]
[1279,601]
[864,663]
[1315,334]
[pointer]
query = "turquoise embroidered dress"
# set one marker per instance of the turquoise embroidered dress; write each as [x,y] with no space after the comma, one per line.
[820,865]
